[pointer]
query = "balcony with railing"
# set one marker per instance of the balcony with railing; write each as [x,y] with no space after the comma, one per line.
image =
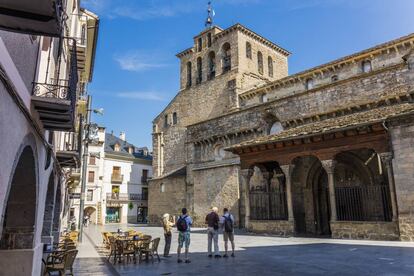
[41,17]
[125,197]
[145,179]
[55,99]
[117,178]
[67,149]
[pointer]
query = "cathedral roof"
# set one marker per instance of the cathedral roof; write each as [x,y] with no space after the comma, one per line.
[331,125]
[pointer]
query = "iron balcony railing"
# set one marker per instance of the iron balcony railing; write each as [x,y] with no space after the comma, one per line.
[145,179]
[61,88]
[125,197]
[69,142]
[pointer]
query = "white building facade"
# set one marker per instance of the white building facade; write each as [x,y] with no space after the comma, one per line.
[116,182]
[45,66]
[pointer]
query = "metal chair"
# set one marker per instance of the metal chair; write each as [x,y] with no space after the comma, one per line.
[152,249]
[63,264]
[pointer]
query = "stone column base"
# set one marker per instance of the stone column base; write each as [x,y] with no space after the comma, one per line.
[406,224]
[365,230]
[21,261]
[282,228]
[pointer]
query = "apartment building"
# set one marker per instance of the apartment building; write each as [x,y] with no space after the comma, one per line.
[117,181]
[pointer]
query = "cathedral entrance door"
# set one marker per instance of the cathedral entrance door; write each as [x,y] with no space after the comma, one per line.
[321,203]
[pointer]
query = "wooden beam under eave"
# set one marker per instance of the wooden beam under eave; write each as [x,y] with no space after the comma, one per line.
[378,141]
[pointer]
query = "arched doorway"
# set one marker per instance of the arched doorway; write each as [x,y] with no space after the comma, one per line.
[20,212]
[91,213]
[49,209]
[310,197]
[321,206]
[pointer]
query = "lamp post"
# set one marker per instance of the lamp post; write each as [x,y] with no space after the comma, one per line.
[88,130]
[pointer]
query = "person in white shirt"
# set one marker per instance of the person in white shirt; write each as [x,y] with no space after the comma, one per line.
[227,222]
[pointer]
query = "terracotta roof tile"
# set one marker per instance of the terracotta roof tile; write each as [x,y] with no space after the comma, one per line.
[332,124]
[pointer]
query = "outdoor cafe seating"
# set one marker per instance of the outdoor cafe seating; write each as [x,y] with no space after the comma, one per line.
[61,256]
[130,246]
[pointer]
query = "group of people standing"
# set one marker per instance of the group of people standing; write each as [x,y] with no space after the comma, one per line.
[214,222]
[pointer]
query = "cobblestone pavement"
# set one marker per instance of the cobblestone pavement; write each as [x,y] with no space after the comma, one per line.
[256,254]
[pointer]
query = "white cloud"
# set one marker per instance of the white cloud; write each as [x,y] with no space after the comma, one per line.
[149,96]
[138,61]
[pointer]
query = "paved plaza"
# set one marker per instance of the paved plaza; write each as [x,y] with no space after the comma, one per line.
[255,254]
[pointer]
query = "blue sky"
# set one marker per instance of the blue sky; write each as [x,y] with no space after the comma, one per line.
[136,71]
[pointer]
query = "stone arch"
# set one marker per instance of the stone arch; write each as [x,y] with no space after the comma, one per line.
[307,169]
[270,66]
[91,212]
[226,57]
[248,50]
[189,68]
[317,182]
[260,62]
[19,214]
[49,207]
[267,192]
[361,188]
[211,65]
[199,70]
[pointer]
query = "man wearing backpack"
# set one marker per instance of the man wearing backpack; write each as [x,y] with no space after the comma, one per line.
[228,231]
[184,223]
[212,221]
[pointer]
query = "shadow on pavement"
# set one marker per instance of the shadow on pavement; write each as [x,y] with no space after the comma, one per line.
[309,259]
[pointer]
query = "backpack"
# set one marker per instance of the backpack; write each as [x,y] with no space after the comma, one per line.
[182,224]
[228,224]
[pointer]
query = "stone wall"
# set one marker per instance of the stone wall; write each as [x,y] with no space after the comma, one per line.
[217,187]
[364,230]
[171,201]
[402,134]
[282,228]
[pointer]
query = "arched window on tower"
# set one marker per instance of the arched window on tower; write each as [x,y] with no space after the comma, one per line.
[260,62]
[226,63]
[211,65]
[270,66]
[174,118]
[200,44]
[309,84]
[276,128]
[366,66]
[248,50]
[189,76]
[199,70]
[209,39]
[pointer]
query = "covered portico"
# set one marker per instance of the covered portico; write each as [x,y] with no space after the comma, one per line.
[332,177]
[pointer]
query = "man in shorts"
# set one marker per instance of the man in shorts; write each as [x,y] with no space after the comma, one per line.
[228,231]
[184,223]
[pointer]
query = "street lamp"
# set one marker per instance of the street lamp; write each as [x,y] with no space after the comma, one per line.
[89,135]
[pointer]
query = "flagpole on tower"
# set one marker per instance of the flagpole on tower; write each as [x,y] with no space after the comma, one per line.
[210,15]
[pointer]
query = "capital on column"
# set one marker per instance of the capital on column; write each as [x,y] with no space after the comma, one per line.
[287,170]
[246,173]
[386,157]
[329,166]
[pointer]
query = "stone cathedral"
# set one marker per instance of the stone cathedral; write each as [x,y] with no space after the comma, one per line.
[325,152]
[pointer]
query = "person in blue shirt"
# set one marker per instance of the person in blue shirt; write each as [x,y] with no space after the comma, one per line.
[184,224]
